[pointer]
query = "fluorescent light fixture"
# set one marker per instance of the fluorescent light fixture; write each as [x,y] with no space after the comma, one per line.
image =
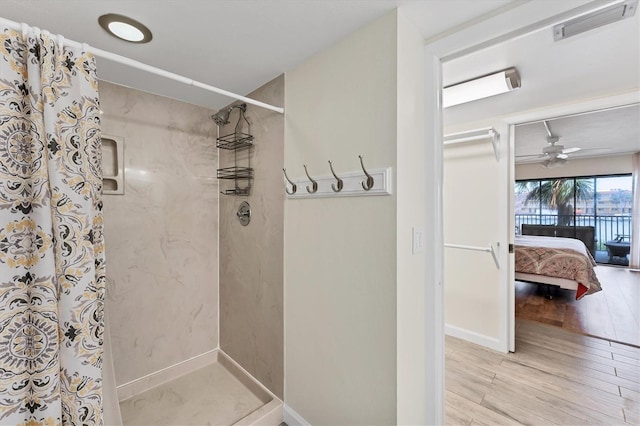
[595,19]
[481,87]
[125,28]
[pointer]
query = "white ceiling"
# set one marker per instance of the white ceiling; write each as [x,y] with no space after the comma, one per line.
[602,61]
[607,132]
[239,45]
[236,45]
[597,63]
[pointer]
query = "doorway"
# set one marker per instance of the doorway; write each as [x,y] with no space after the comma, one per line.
[492,33]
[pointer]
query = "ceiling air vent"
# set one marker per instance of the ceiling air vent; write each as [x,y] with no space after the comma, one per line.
[595,19]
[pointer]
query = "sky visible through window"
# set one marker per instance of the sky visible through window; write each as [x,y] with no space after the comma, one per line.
[619,182]
[574,196]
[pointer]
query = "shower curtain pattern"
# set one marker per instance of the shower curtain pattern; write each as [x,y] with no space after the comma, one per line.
[51,242]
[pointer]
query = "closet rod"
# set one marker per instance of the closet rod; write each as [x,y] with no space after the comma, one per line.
[493,249]
[474,248]
[148,68]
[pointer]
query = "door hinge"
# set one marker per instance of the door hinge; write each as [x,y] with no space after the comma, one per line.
[510,248]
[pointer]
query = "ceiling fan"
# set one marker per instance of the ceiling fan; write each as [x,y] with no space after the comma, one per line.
[554,154]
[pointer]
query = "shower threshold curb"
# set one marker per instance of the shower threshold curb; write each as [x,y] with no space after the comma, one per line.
[270,413]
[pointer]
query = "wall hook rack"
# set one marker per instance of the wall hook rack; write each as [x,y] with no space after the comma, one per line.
[370,181]
[348,184]
[314,184]
[340,181]
[294,187]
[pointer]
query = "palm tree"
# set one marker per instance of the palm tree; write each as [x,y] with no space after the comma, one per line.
[558,194]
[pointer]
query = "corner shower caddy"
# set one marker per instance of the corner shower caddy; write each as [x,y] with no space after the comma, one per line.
[237,141]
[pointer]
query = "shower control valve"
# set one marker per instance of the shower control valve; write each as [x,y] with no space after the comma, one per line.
[244,213]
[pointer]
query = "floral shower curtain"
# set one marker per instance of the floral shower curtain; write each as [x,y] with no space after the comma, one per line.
[51,242]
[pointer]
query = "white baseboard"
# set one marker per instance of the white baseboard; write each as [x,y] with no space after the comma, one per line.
[473,337]
[291,418]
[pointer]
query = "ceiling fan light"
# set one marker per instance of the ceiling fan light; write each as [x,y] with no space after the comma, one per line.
[553,163]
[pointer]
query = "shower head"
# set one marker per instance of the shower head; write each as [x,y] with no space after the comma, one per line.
[222,117]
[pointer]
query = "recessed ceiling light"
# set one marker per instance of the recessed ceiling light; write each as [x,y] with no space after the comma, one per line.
[125,28]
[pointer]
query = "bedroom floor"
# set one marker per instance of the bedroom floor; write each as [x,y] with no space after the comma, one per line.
[613,313]
[554,377]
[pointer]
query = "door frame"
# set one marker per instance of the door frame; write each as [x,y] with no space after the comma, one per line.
[513,20]
[554,111]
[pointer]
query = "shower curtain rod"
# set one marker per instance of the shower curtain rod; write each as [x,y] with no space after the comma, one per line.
[144,67]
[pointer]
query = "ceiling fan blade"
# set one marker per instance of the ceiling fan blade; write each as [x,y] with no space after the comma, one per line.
[596,149]
[532,156]
[571,150]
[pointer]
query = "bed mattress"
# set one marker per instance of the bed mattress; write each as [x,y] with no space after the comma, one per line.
[547,259]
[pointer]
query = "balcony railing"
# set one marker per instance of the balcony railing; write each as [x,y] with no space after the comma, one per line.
[606,227]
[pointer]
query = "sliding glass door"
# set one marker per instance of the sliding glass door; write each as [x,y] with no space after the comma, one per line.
[594,209]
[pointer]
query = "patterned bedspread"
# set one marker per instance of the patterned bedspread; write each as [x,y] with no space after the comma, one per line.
[553,257]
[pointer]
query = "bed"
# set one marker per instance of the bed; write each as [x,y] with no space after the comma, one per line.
[562,262]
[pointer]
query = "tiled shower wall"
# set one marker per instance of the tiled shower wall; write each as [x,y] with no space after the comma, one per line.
[162,234]
[251,257]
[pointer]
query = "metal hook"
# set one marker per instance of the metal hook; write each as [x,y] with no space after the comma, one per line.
[294,187]
[340,182]
[313,182]
[370,181]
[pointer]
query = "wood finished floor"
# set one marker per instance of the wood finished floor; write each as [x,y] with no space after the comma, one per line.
[613,313]
[555,377]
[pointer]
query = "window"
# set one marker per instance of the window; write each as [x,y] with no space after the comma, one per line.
[601,202]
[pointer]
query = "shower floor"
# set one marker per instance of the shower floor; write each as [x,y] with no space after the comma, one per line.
[217,394]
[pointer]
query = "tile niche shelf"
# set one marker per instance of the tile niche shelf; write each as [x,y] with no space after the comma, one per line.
[112,165]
